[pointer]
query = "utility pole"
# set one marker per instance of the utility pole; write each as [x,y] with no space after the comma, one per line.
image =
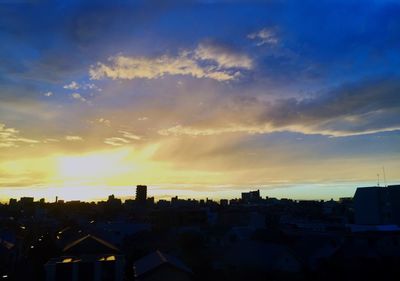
[384,175]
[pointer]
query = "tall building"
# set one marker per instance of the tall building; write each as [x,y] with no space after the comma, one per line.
[377,205]
[141,193]
[251,196]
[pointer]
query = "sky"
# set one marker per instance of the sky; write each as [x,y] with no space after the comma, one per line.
[300,99]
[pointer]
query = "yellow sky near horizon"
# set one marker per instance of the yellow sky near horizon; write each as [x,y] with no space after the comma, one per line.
[94,175]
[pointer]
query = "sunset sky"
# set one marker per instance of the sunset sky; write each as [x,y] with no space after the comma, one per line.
[299,99]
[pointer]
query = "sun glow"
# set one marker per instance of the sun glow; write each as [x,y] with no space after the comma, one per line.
[98,167]
[86,176]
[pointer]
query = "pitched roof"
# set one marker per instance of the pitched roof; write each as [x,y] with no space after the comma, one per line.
[90,244]
[155,260]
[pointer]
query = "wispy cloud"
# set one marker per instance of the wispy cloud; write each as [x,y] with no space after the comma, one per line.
[180,130]
[125,138]
[48,94]
[222,57]
[104,121]
[50,140]
[10,137]
[84,86]
[79,97]
[116,141]
[203,62]
[73,138]
[129,135]
[357,109]
[264,36]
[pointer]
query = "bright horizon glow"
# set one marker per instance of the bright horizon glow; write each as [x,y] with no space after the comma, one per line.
[101,193]
[93,167]
[93,176]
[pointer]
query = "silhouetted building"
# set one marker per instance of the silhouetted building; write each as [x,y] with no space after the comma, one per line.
[174,200]
[26,200]
[223,202]
[85,268]
[251,196]
[150,201]
[12,202]
[88,259]
[90,245]
[377,205]
[159,266]
[141,193]
[113,202]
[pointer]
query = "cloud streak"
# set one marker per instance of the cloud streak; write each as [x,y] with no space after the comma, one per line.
[357,109]
[10,137]
[204,62]
[73,138]
[116,141]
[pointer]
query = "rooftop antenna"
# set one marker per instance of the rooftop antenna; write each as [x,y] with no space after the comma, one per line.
[378,178]
[384,175]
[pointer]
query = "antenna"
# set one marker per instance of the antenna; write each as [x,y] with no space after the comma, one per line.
[384,175]
[378,178]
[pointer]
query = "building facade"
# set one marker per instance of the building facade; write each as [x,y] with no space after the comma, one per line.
[377,205]
[141,193]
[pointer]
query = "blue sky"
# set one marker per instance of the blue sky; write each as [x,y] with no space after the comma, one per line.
[208,93]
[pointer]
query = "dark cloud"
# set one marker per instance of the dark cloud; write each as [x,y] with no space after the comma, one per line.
[358,108]
[362,107]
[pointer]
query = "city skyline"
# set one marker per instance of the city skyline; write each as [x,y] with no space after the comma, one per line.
[299,100]
[94,194]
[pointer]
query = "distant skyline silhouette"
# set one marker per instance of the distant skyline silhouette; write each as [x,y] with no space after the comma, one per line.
[96,193]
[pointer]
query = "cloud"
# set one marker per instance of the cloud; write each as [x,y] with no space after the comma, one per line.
[203,62]
[73,138]
[10,137]
[116,141]
[78,96]
[180,130]
[49,140]
[48,94]
[125,138]
[264,36]
[90,86]
[357,109]
[129,135]
[86,86]
[222,57]
[106,122]
[72,86]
